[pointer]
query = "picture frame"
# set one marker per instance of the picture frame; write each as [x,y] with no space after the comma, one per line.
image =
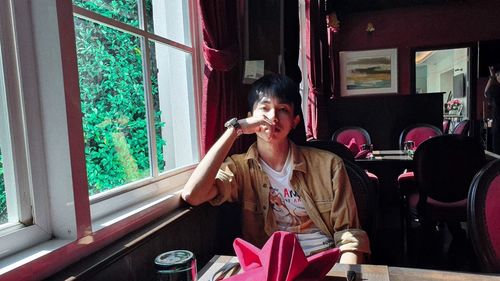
[368,72]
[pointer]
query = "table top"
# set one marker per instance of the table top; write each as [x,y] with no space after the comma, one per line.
[388,155]
[365,272]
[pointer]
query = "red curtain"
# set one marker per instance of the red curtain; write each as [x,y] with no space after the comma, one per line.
[318,77]
[221,81]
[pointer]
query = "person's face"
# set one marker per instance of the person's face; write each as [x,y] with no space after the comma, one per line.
[281,114]
[497,75]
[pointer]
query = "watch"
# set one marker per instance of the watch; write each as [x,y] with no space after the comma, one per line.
[233,123]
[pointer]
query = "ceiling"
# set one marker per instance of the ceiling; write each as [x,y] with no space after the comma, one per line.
[353,6]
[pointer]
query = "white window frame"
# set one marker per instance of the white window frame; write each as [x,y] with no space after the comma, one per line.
[25,135]
[118,198]
[47,78]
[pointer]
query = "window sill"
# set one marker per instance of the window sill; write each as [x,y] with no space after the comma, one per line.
[45,259]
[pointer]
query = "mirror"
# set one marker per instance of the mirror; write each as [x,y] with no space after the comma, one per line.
[447,71]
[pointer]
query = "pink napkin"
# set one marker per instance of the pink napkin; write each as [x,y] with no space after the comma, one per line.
[353,147]
[281,259]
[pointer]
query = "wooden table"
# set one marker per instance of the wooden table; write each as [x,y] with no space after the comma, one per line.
[366,272]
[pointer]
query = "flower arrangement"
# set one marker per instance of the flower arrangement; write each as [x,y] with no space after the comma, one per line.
[454,104]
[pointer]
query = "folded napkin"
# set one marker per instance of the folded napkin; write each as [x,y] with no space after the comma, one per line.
[281,259]
[353,147]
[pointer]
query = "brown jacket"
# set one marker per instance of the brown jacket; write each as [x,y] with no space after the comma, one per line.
[319,177]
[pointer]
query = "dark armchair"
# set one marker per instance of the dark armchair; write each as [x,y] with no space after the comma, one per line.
[483,216]
[444,167]
[418,133]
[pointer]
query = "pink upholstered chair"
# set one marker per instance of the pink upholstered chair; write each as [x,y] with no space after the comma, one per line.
[444,169]
[418,133]
[483,216]
[353,137]
[446,126]
[345,134]
[462,128]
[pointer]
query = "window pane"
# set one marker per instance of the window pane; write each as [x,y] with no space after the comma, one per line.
[3,134]
[3,198]
[170,19]
[172,83]
[113,106]
[125,11]
[8,192]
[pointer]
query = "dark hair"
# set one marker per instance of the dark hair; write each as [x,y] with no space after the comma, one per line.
[275,86]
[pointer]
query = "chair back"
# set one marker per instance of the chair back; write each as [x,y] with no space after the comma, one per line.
[445,165]
[462,128]
[483,216]
[363,188]
[365,196]
[346,134]
[418,133]
[446,126]
[335,147]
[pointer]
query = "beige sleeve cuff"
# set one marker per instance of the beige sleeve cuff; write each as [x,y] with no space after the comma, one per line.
[352,240]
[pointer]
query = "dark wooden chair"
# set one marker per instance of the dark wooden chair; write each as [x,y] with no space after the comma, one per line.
[335,147]
[444,167]
[364,187]
[483,216]
[418,133]
[462,128]
[345,134]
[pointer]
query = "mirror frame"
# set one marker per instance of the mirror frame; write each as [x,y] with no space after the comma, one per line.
[473,71]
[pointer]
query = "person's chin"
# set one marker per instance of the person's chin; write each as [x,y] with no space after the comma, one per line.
[273,138]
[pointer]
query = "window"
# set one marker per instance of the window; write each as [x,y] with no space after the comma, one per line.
[4,136]
[136,89]
[18,176]
[138,72]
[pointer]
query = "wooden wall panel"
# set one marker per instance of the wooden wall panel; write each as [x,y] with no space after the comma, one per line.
[204,230]
[385,116]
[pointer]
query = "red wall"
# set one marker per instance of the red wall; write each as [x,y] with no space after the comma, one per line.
[425,26]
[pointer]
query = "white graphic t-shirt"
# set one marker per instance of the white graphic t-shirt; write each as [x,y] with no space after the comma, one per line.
[289,210]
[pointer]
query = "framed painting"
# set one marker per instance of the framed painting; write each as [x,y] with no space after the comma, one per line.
[368,72]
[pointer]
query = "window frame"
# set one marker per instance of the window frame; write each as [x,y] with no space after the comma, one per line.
[145,38]
[48,82]
[24,134]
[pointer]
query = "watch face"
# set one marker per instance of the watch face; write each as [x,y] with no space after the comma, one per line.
[231,123]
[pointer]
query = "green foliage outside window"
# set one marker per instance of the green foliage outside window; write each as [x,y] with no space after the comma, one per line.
[113,102]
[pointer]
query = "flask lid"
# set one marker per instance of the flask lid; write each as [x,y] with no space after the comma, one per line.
[174,260]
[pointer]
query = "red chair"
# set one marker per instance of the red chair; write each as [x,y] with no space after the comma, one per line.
[418,133]
[354,138]
[446,126]
[444,169]
[483,216]
[462,128]
[364,184]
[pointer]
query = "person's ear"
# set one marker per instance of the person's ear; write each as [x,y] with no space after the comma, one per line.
[296,121]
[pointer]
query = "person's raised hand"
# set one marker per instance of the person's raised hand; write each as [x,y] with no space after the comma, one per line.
[255,124]
[492,70]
